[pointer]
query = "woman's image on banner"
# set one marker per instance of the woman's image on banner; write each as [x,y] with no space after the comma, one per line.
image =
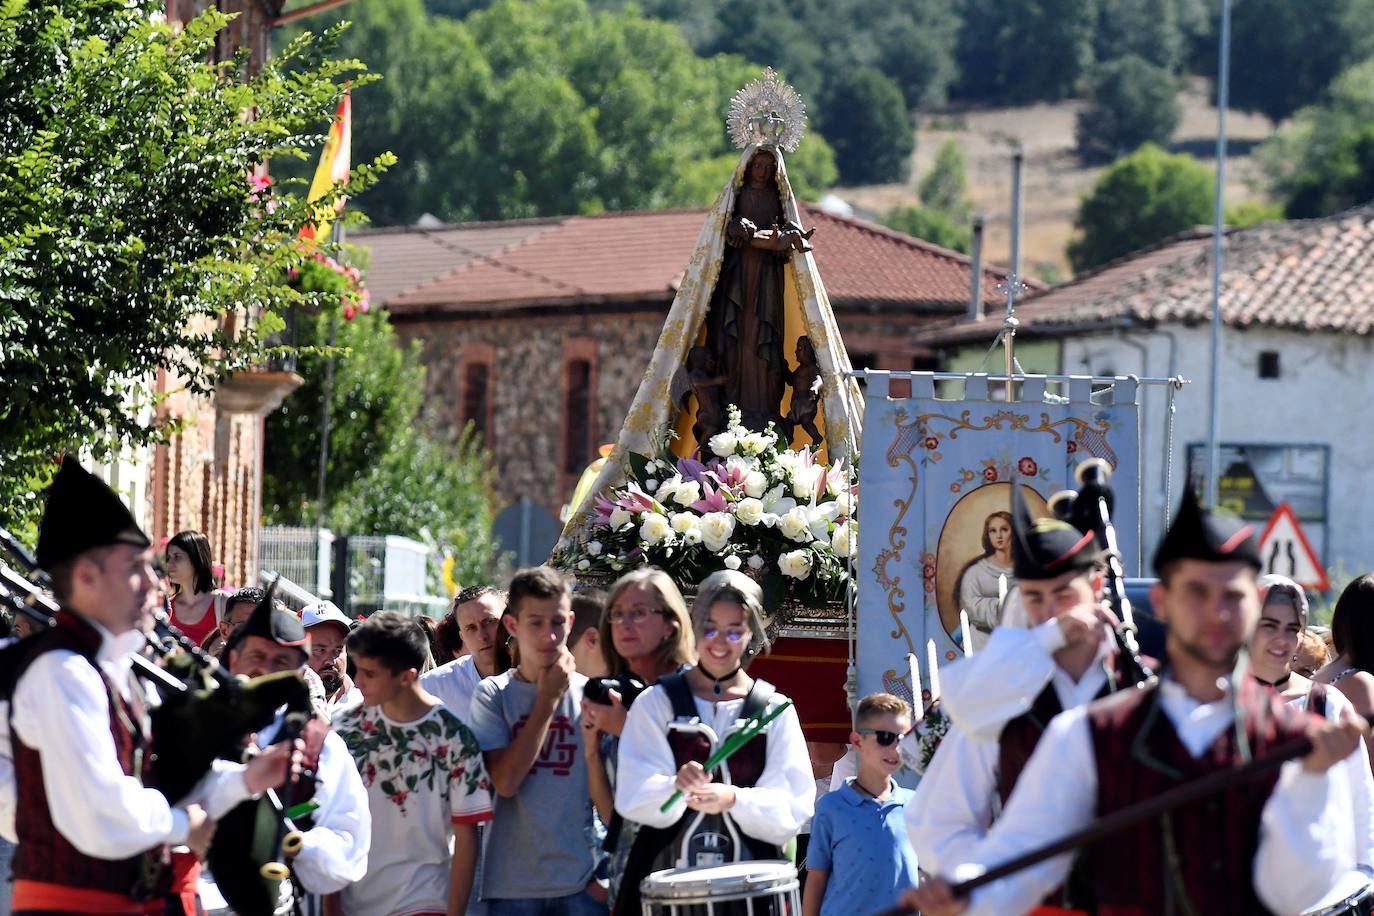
[986,578]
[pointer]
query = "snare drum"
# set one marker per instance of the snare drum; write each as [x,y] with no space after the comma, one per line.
[757,888]
[1353,895]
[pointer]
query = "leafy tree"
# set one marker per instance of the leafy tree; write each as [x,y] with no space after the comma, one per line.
[1141,199]
[1342,178]
[869,126]
[556,108]
[1304,156]
[914,42]
[388,472]
[1148,29]
[1130,101]
[133,239]
[945,186]
[931,225]
[1283,54]
[1023,51]
[1252,212]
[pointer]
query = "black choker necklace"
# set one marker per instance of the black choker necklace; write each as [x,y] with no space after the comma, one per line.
[1279,684]
[717,689]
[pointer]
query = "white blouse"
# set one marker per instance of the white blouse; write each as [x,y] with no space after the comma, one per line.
[773,811]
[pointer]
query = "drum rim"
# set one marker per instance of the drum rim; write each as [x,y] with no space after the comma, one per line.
[689,888]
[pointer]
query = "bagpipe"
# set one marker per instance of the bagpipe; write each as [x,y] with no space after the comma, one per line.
[204,714]
[1089,508]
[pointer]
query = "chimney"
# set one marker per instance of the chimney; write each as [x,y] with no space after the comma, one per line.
[975,286]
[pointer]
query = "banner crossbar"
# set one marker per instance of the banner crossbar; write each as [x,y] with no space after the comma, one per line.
[1176,381]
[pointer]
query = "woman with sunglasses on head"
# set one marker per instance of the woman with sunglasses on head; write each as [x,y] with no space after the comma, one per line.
[765,791]
[1273,651]
[196,605]
[645,633]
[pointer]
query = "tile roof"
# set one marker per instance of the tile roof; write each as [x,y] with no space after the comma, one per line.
[639,257]
[1304,275]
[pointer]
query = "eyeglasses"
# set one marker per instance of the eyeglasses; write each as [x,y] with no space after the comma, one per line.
[885,738]
[713,632]
[634,616]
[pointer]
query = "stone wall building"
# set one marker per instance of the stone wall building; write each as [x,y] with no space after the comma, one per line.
[538,331]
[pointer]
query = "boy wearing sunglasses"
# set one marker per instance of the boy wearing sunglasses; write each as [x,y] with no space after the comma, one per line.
[860,858]
[1001,699]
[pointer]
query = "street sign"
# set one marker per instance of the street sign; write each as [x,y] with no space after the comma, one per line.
[1284,550]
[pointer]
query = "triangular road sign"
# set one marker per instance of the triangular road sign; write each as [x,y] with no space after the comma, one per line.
[1284,550]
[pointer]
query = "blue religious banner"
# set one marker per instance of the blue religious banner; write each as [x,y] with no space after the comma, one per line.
[935,488]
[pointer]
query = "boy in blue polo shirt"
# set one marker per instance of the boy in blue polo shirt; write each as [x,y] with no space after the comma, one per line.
[860,858]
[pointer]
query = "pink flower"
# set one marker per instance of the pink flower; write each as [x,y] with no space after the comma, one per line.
[349,313]
[1027,466]
[712,501]
[293,272]
[990,474]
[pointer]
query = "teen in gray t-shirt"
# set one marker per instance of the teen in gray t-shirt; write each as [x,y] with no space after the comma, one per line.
[536,846]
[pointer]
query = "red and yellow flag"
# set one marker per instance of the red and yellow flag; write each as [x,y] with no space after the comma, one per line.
[333,168]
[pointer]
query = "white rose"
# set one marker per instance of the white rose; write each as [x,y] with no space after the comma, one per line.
[755,484]
[650,485]
[723,444]
[594,548]
[844,501]
[716,528]
[655,528]
[755,561]
[691,537]
[795,525]
[749,511]
[795,563]
[668,488]
[841,541]
[732,562]
[739,466]
[755,443]
[584,564]
[619,518]
[684,522]
[688,492]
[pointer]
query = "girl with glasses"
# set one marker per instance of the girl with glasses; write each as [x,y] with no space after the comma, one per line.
[763,794]
[646,633]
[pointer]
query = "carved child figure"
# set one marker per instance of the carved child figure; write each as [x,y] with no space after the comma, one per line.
[708,388]
[806,391]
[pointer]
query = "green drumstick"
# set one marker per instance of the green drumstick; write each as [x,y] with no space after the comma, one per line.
[733,743]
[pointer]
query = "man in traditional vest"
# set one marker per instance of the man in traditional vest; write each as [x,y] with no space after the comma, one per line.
[1001,700]
[1267,845]
[92,837]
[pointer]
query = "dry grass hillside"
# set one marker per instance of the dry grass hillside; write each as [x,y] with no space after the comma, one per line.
[1055,180]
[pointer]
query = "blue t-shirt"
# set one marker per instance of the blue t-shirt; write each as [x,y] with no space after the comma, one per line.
[864,847]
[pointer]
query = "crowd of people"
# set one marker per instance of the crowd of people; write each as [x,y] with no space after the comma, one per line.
[538,751]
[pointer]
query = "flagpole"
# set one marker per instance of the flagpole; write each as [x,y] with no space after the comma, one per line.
[326,417]
[1218,226]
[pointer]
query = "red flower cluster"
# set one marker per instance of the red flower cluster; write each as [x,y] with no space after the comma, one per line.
[1027,466]
[990,474]
[932,442]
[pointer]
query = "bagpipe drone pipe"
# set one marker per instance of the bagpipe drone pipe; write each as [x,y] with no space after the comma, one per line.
[204,714]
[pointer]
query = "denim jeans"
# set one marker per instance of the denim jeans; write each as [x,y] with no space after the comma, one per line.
[6,885]
[579,904]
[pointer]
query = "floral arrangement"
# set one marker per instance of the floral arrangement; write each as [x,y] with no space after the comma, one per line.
[319,273]
[781,516]
[920,746]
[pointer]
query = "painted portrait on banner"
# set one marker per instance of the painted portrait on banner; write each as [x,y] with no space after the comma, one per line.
[935,527]
[973,559]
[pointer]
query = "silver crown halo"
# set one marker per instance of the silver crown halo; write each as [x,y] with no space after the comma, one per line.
[768,112]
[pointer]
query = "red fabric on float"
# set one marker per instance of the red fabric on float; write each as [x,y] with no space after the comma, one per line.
[811,671]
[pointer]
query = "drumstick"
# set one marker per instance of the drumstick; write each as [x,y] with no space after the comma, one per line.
[733,743]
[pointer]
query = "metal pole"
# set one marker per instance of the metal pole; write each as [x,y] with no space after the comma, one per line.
[1218,220]
[325,417]
[1018,161]
[975,291]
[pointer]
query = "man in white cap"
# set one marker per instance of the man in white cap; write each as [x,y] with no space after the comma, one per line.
[328,628]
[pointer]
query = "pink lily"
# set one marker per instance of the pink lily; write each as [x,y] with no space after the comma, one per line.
[604,508]
[711,501]
[636,500]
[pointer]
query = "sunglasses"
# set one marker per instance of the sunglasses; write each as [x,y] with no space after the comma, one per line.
[885,738]
[713,632]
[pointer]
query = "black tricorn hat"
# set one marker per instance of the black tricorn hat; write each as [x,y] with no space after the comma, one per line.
[1042,548]
[1203,534]
[272,621]
[83,513]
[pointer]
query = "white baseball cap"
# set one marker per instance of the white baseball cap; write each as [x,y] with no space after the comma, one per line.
[324,612]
